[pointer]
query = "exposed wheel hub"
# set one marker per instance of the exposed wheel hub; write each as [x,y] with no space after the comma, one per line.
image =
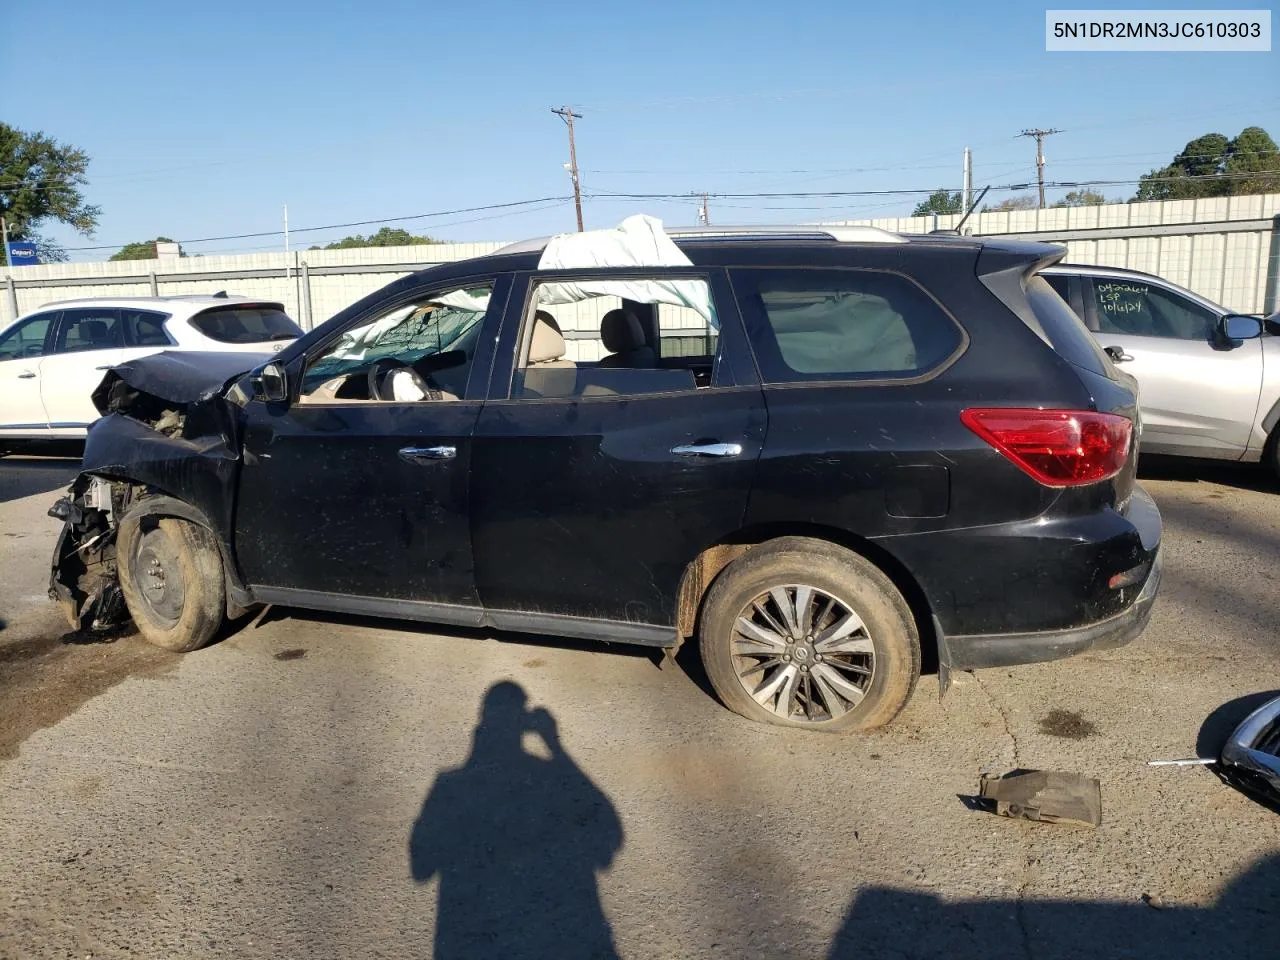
[158,575]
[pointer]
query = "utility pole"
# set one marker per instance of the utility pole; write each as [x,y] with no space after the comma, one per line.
[966,192]
[704,214]
[286,229]
[8,260]
[1039,136]
[568,116]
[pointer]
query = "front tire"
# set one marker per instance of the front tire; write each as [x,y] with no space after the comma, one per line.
[803,633]
[170,572]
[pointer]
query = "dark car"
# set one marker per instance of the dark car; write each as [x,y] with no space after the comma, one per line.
[827,456]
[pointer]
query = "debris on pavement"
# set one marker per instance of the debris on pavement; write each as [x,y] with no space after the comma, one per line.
[1047,795]
[1185,762]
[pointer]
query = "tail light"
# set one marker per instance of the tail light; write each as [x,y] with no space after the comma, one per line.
[1059,448]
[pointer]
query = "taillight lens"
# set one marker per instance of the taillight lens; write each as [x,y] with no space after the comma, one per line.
[1060,448]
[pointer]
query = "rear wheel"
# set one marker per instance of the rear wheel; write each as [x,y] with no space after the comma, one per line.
[803,633]
[1271,453]
[171,575]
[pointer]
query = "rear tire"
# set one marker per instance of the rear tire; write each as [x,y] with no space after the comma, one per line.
[170,572]
[802,633]
[1271,453]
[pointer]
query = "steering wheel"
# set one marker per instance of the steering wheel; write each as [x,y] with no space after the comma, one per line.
[380,372]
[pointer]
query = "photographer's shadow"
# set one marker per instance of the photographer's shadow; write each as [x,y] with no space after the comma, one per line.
[516,839]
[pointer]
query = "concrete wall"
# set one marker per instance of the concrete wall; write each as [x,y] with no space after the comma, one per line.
[1222,248]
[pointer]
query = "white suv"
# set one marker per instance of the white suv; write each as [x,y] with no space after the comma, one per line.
[51,360]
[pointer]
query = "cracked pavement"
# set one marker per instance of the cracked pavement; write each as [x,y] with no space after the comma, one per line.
[257,798]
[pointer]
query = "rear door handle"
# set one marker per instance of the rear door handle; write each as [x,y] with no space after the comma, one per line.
[707,450]
[26,376]
[423,454]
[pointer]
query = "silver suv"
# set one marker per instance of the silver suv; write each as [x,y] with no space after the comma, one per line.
[1209,378]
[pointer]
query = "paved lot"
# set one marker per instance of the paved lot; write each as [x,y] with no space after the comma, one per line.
[281,793]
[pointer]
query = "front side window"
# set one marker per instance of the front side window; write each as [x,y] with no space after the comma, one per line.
[419,351]
[843,325]
[89,328]
[26,340]
[247,324]
[602,337]
[1141,309]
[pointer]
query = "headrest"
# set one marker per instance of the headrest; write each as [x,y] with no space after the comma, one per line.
[94,331]
[548,343]
[621,331]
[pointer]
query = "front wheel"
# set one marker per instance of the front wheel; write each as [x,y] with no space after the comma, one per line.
[803,633]
[171,575]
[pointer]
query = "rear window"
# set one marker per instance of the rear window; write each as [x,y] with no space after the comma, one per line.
[1066,332]
[246,324]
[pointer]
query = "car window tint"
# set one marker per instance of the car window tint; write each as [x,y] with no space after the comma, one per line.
[843,324]
[434,335]
[625,336]
[89,328]
[1066,332]
[1060,284]
[250,324]
[1141,309]
[143,328]
[27,338]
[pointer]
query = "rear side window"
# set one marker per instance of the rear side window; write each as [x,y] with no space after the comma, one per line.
[89,328]
[843,325]
[246,324]
[1066,332]
[142,328]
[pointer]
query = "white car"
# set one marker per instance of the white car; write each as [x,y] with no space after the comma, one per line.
[51,360]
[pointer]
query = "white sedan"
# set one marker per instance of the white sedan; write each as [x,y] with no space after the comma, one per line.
[51,360]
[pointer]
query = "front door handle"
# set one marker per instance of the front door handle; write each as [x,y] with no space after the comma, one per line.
[423,454]
[28,375]
[1117,354]
[708,450]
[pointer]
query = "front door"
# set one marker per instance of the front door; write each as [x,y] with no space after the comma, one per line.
[620,444]
[1199,397]
[89,340]
[359,487]
[21,351]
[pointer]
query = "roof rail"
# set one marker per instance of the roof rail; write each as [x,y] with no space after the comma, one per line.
[855,234]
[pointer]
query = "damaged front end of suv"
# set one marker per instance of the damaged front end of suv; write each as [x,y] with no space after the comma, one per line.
[167,447]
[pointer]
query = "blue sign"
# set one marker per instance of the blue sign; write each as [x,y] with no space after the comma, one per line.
[22,253]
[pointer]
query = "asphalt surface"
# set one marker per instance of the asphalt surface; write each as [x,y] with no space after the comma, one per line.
[323,787]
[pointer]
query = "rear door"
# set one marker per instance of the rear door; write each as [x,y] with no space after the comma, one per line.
[89,340]
[345,494]
[1199,397]
[22,349]
[596,476]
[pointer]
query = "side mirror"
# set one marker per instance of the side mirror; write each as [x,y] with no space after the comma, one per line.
[269,383]
[1237,326]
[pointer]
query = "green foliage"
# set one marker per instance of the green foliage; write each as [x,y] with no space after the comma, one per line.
[39,181]
[1023,201]
[940,202]
[1081,198]
[1246,165]
[142,250]
[385,237]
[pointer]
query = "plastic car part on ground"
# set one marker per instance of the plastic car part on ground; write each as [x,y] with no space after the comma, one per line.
[638,241]
[1251,756]
[1047,795]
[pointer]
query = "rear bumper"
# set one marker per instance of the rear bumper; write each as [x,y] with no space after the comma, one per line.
[977,651]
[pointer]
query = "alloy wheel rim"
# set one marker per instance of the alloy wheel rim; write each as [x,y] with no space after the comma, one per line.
[802,653]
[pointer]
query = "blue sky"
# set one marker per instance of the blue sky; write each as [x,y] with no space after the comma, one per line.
[203,119]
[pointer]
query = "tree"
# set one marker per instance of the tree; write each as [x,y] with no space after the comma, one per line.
[40,180]
[385,237]
[1023,202]
[142,250]
[1213,166]
[1081,198]
[940,202]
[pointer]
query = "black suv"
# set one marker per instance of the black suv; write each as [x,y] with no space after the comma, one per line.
[826,455]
